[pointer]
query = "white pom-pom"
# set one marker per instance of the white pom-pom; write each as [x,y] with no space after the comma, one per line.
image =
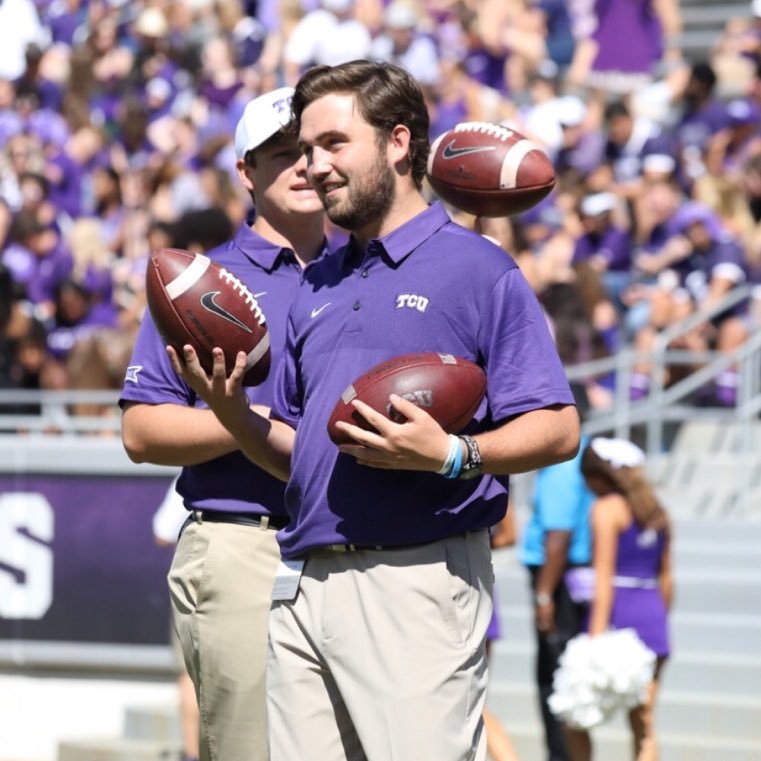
[599,675]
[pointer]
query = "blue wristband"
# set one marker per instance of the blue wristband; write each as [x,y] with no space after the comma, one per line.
[454,445]
[457,464]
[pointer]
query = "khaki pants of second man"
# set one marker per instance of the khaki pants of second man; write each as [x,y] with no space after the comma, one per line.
[221,587]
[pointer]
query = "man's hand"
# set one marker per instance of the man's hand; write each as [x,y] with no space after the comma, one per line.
[225,396]
[544,614]
[419,443]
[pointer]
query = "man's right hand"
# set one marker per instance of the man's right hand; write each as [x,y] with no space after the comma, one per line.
[224,395]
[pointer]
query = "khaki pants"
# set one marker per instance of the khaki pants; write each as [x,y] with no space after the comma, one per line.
[220,584]
[381,656]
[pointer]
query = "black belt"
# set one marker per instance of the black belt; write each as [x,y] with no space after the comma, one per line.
[379,547]
[275,522]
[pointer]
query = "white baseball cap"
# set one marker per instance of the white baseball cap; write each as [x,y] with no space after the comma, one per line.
[598,203]
[400,15]
[660,163]
[571,110]
[262,118]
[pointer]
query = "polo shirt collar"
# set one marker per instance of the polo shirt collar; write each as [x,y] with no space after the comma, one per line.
[258,249]
[400,243]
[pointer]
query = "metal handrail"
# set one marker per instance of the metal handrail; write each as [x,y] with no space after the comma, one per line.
[662,404]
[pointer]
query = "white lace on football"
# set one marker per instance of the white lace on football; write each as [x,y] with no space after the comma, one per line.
[244,292]
[497,130]
[620,453]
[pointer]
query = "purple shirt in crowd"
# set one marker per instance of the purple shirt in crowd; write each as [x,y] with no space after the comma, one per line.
[429,286]
[695,128]
[724,258]
[628,35]
[232,482]
[614,246]
[40,275]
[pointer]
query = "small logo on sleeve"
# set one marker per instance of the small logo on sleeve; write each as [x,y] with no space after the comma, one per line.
[131,374]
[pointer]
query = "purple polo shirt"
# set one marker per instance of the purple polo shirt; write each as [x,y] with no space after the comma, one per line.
[232,482]
[355,311]
[614,246]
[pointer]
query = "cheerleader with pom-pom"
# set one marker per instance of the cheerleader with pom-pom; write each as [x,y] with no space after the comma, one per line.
[632,563]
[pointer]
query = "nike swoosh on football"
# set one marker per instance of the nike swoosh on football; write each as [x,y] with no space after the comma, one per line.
[450,152]
[208,302]
[317,310]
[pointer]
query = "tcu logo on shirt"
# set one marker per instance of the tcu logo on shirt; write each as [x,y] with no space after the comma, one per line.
[420,398]
[411,301]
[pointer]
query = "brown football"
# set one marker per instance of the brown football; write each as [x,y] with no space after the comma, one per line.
[489,170]
[193,300]
[448,388]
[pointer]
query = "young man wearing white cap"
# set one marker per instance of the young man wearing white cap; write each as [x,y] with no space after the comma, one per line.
[221,576]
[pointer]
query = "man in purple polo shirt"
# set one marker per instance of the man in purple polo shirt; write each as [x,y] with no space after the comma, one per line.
[383,598]
[225,561]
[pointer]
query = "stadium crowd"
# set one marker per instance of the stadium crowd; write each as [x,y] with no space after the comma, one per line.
[116,124]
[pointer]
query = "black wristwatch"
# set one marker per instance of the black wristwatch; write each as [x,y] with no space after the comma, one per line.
[473,466]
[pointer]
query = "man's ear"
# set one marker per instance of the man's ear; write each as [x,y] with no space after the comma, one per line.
[245,175]
[399,145]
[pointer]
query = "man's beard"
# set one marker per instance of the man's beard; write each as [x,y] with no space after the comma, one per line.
[368,199]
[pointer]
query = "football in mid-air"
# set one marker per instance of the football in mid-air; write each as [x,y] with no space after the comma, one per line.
[448,388]
[489,170]
[193,300]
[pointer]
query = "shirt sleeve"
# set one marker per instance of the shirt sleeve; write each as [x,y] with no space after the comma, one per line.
[523,368]
[150,377]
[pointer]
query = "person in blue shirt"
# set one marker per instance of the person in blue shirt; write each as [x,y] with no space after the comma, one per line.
[555,548]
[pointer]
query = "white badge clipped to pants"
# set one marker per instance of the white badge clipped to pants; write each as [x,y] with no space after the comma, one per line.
[287,579]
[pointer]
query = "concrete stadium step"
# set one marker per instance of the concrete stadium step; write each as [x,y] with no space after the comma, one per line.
[613,744]
[691,554]
[117,749]
[714,15]
[152,722]
[512,662]
[706,632]
[678,713]
[720,532]
[733,591]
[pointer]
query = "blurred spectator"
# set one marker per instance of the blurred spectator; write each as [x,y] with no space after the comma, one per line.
[650,29]
[202,229]
[401,42]
[697,266]
[582,145]
[19,26]
[17,331]
[701,116]
[558,31]
[605,246]
[37,259]
[328,35]
[629,140]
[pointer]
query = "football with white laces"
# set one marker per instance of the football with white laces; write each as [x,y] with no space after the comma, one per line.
[194,300]
[489,170]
